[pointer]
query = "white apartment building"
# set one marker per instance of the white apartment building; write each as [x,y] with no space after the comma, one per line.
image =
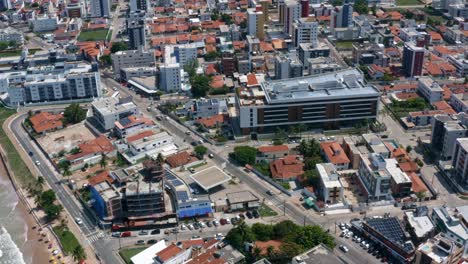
[445,130]
[170,77]
[132,59]
[459,102]
[255,23]
[10,34]
[305,31]
[460,63]
[374,177]
[292,12]
[331,188]
[150,144]
[460,161]
[181,54]
[100,8]
[430,89]
[109,110]
[44,23]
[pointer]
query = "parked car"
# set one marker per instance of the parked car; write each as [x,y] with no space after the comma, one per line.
[255,214]
[249,215]
[222,221]
[140,242]
[115,234]
[210,155]
[215,222]
[209,224]
[38,163]
[228,221]
[126,234]
[183,227]
[241,216]
[31,153]
[156,232]
[151,241]
[143,233]
[190,226]
[202,225]
[234,220]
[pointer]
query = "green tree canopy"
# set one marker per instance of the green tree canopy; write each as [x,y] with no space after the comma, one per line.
[200,85]
[244,154]
[200,151]
[74,114]
[47,197]
[118,46]
[262,232]
[361,7]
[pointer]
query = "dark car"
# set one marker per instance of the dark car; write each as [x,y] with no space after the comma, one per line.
[151,241]
[234,220]
[249,215]
[194,143]
[156,232]
[209,224]
[30,153]
[255,214]
[241,216]
[222,221]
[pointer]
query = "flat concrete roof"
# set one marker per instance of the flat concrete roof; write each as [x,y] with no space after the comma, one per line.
[241,197]
[210,178]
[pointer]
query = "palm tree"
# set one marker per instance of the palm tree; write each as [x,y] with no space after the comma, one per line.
[257,253]
[79,253]
[103,161]
[270,251]
[301,128]
[40,180]
[66,171]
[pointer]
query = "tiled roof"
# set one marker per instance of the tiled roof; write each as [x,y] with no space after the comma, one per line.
[287,167]
[334,152]
[266,149]
[179,159]
[101,177]
[168,253]
[45,121]
[140,136]
[417,185]
[213,120]
[217,82]
[100,144]
[251,79]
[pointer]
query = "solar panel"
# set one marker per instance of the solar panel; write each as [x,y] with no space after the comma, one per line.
[176,182]
[182,195]
[391,229]
[170,177]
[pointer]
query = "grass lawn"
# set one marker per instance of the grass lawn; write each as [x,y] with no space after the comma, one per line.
[401,109]
[12,53]
[21,171]
[93,35]
[127,253]
[344,45]
[408,2]
[266,211]
[68,240]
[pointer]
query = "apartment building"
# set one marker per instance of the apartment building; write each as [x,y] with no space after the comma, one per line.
[286,67]
[328,101]
[136,29]
[291,12]
[305,30]
[374,177]
[109,110]
[452,222]
[459,102]
[413,60]
[445,130]
[460,64]
[77,83]
[44,23]
[430,89]
[144,198]
[181,54]
[460,162]
[10,34]
[308,50]
[331,188]
[132,58]
[100,8]
[170,77]
[438,250]
[256,22]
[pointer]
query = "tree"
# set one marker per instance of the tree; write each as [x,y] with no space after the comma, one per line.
[257,252]
[118,46]
[239,235]
[40,181]
[408,14]
[200,151]
[409,148]
[74,114]
[244,154]
[103,161]
[212,55]
[284,228]
[79,253]
[160,158]
[48,197]
[280,136]
[226,18]
[312,177]
[361,7]
[65,165]
[35,5]
[200,85]
[191,68]
[337,2]
[289,250]
[3,45]
[75,150]
[105,60]
[52,211]
[262,232]
[12,43]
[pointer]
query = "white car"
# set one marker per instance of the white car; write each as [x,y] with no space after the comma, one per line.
[183,227]
[78,221]
[38,163]
[228,221]
[344,248]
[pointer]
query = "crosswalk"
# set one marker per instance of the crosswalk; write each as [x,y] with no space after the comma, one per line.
[95,236]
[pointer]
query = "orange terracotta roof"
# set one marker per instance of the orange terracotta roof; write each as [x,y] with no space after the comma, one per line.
[334,152]
[406,96]
[45,121]
[98,145]
[210,69]
[213,120]
[266,47]
[417,185]
[168,253]
[442,105]
[402,86]
[266,149]
[278,44]
[435,36]
[101,177]
[140,136]
[251,79]
[409,166]
[179,159]
[287,167]
[217,82]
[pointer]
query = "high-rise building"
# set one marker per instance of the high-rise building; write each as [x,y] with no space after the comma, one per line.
[136,29]
[445,130]
[255,22]
[140,5]
[132,58]
[281,11]
[305,31]
[342,17]
[305,8]
[287,68]
[292,12]
[460,162]
[75,9]
[264,4]
[5,4]
[413,59]
[100,8]
[169,77]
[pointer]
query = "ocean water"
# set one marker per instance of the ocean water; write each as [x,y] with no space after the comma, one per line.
[13,228]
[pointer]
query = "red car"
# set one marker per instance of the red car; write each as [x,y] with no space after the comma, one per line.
[222,221]
[126,234]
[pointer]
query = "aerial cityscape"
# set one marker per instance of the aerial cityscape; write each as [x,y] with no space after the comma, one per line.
[234,131]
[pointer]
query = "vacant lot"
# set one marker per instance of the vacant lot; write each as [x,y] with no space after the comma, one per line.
[344,45]
[93,35]
[128,253]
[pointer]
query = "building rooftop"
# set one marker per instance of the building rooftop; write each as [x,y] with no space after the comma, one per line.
[334,152]
[241,197]
[146,256]
[318,254]
[111,105]
[395,172]
[422,225]
[346,83]
[329,175]
[210,177]
[140,186]
[392,230]
[463,143]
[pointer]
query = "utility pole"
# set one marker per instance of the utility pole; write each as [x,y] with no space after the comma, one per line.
[284,207]
[304,221]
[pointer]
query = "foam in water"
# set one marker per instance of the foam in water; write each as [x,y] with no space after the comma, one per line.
[10,253]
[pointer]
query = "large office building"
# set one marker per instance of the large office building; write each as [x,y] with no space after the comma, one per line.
[170,77]
[80,81]
[445,130]
[136,29]
[291,12]
[413,59]
[100,8]
[460,162]
[327,101]
[255,22]
[305,30]
[131,59]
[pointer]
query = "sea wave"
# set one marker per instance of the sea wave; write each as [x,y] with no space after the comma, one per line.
[11,254]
